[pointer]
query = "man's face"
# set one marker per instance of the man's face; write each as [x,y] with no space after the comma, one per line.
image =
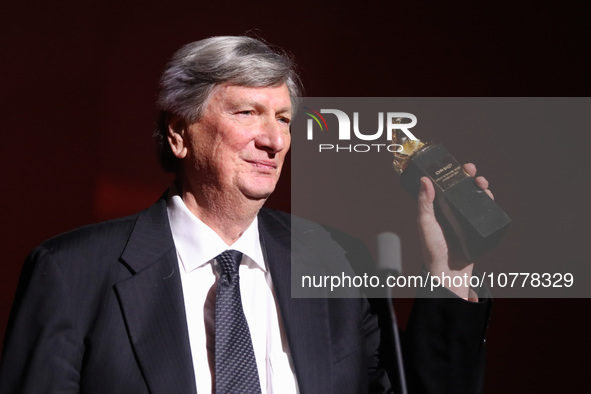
[239,144]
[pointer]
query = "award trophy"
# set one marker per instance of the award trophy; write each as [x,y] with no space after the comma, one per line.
[467,214]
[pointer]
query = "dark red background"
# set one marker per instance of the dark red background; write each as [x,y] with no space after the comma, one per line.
[77,96]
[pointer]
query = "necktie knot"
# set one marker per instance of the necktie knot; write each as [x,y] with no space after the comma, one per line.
[228,263]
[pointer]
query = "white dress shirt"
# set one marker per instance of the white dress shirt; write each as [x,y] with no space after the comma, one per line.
[197,246]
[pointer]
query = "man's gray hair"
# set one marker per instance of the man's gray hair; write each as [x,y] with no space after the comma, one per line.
[196,68]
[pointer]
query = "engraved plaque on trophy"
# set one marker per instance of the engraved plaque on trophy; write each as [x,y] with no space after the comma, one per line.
[467,214]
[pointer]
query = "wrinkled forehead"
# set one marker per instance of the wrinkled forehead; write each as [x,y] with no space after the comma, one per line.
[268,98]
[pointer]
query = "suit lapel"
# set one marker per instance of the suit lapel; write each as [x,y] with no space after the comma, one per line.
[304,319]
[153,306]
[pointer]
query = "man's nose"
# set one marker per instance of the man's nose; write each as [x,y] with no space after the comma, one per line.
[273,136]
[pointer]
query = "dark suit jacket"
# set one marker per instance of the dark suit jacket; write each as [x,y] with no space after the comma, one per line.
[100,310]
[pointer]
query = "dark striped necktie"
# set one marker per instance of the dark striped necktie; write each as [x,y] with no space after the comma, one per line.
[235,365]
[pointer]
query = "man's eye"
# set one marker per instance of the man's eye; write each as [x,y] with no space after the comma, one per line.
[285,120]
[246,112]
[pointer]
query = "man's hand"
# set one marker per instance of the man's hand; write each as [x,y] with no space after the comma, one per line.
[438,257]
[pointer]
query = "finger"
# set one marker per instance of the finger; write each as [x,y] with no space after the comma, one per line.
[426,197]
[481,182]
[470,169]
[426,191]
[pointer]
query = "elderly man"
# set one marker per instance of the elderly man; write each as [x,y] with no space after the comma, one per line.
[193,294]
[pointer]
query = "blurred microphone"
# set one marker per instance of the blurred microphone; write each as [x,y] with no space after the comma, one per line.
[389,253]
[390,263]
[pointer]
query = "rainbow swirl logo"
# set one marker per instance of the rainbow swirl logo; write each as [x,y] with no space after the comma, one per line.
[316,115]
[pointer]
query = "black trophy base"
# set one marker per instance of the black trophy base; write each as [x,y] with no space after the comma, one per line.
[470,217]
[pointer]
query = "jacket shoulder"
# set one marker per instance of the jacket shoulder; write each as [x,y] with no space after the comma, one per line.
[292,223]
[108,235]
[95,245]
[301,227]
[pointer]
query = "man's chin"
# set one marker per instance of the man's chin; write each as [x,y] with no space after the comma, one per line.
[257,196]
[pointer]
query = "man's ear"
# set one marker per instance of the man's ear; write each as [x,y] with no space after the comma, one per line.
[176,136]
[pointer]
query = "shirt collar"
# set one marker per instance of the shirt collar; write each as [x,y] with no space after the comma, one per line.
[197,244]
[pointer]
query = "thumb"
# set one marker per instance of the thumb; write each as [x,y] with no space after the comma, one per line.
[426,196]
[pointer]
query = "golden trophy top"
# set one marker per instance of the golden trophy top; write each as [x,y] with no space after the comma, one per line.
[406,148]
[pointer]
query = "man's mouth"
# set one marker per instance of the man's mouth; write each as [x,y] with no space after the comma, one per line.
[263,164]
